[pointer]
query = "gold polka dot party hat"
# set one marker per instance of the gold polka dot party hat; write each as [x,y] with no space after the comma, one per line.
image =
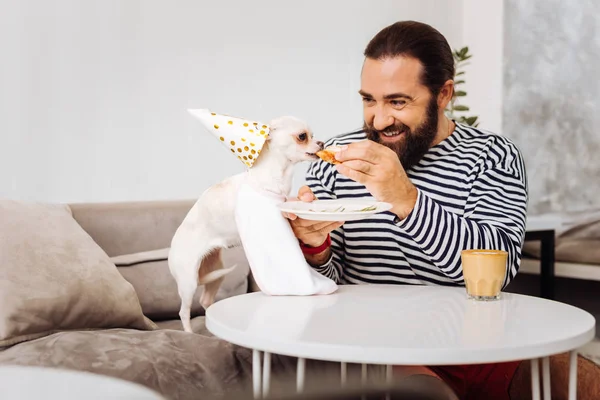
[244,138]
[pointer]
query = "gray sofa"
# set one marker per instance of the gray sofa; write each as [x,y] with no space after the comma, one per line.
[87,287]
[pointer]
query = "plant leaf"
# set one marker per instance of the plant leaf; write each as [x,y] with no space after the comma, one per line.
[461,108]
[460,93]
[460,73]
[471,120]
[458,82]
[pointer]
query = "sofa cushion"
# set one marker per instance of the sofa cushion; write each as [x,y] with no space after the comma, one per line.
[579,251]
[156,288]
[54,277]
[198,325]
[179,365]
[132,226]
[582,224]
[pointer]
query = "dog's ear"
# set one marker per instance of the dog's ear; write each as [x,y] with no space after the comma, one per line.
[273,126]
[275,123]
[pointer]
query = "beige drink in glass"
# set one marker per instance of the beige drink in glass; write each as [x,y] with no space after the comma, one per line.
[484,272]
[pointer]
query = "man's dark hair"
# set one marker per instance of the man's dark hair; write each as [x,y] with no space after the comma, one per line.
[420,41]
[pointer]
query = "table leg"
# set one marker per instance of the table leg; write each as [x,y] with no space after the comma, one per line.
[300,374]
[363,378]
[344,373]
[535,379]
[547,265]
[256,378]
[389,377]
[266,374]
[573,375]
[363,375]
[546,378]
[546,239]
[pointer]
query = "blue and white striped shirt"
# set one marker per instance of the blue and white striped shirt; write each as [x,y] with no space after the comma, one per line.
[472,194]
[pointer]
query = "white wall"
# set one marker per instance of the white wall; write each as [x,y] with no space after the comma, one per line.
[93,94]
[483,33]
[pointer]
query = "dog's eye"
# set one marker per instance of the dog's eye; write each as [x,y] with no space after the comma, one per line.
[302,137]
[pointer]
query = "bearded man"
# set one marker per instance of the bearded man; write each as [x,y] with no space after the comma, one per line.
[452,187]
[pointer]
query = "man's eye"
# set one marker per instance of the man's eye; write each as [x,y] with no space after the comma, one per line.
[398,103]
[302,137]
[367,100]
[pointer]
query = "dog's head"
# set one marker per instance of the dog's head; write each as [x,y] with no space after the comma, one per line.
[293,138]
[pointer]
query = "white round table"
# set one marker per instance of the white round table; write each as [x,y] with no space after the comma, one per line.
[401,325]
[29,383]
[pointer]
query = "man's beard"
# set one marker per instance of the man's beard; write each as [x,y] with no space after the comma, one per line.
[415,143]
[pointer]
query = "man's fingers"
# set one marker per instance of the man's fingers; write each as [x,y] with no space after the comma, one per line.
[308,196]
[289,216]
[353,174]
[305,194]
[307,226]
[324,227]
[360,166]
[359,151]
[316,232]
[304,189]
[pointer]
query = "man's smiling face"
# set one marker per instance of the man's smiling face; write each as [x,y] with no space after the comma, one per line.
[399,111]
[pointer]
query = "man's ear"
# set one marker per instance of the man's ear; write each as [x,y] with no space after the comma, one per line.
[446,94]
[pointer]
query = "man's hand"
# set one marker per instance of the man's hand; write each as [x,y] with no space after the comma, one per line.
[311,233]
[379,169]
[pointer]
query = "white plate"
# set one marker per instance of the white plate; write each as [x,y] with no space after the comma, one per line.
[335,210]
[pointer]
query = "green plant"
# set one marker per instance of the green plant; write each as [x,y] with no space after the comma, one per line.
[460,59]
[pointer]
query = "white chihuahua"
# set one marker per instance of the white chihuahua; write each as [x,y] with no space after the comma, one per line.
[209,227]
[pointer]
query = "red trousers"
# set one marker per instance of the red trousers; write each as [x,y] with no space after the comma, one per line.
[479,381]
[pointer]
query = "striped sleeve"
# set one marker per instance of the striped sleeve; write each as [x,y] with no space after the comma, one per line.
[320,178]
[494,218]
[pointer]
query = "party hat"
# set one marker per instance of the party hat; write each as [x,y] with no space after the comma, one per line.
[244,138]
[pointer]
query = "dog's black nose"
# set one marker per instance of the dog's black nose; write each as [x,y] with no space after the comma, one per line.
[320,144]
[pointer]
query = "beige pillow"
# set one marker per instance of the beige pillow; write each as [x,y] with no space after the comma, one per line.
[156,288]
[580,251]
[54,277]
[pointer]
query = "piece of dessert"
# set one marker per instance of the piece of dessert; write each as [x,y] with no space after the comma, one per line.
[328,154]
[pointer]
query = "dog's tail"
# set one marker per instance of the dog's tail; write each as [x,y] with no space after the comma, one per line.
[214,275]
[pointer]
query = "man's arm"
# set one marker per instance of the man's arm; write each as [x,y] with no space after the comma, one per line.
[494,215]
[494,218]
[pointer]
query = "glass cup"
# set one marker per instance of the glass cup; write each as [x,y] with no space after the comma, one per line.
[484,272]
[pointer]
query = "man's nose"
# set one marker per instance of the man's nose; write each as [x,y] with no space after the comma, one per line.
[382,120]
[320,144]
